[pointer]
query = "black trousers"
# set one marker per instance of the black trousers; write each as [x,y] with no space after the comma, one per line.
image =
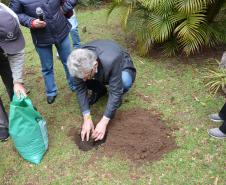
[6,75]
[222,115]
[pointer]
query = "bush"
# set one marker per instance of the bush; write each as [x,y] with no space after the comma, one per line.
[175,25]
[5,2]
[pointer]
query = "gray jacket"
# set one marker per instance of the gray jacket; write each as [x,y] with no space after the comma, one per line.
[112,59]
[16,62]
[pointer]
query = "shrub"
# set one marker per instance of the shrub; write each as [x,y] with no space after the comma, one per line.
[175,25]
[5,2]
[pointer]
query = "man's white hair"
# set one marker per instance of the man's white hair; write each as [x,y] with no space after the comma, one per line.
[81,61]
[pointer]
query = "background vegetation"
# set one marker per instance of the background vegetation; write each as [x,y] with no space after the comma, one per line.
[175,26]
[170,86]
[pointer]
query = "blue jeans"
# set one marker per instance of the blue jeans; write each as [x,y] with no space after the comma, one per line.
[74,32]
[127,81]
[46,58]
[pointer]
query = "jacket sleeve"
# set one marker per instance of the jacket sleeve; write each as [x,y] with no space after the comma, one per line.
[115,90]
[82,95]
[16,62]
[69,5]
[24,19]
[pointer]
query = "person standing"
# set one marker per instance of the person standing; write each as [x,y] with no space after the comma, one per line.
[76,43]
[71,16]
[51,29]
[11,61]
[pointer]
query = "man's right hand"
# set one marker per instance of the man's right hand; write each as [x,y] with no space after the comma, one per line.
[36,24]
[87,127]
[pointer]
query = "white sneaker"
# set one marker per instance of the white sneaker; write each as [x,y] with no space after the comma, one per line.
[216,133]
[215,117]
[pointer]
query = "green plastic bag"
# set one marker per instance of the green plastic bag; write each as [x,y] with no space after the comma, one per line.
[27,129]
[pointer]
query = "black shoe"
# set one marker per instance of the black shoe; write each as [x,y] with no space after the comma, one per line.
[94,97]
[51,99]
[4,134]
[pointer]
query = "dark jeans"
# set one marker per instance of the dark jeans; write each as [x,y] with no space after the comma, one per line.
[7,79]
[222,115]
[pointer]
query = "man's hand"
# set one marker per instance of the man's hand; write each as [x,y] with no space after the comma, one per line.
[87,127]
[19,89]
[38,24]
[100,129]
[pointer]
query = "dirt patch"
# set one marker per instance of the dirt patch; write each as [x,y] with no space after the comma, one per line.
[138,135]
[84,145]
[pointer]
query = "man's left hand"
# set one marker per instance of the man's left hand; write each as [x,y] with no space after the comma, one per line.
[100,129]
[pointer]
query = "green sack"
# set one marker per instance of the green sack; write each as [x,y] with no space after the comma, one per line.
[27,129]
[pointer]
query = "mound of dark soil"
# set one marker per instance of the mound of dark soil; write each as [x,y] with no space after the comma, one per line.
[87,145]
[138,135]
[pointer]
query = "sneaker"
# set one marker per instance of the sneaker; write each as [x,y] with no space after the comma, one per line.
[215,118]
[216,133]
[4,134]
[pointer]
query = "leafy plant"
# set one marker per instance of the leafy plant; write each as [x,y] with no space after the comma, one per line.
[175,25]
[215,79]
[5,1]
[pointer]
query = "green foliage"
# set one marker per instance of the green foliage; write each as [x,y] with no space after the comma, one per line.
[88,3]
[215,79]
[176,25]
[5,2]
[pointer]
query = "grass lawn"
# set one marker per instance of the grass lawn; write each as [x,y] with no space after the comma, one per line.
[173,88]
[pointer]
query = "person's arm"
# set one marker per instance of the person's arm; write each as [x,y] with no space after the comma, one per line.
[115,91]
[16,62]
[24,19]
[69,5]
[114,101]
[82,97]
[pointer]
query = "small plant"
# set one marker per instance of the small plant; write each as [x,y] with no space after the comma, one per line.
[215,79]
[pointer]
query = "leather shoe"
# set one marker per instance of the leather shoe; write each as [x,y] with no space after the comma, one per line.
[4,134]
[51,99]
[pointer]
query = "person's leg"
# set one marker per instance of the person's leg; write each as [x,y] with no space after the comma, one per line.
[64,50]
[4,134]
[46,58]
[222,112]
[220,132]
[74,32]
[6,75]
[223,127]
[127,81]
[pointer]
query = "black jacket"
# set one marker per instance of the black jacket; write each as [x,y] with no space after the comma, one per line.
[113,59]
[57,25]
